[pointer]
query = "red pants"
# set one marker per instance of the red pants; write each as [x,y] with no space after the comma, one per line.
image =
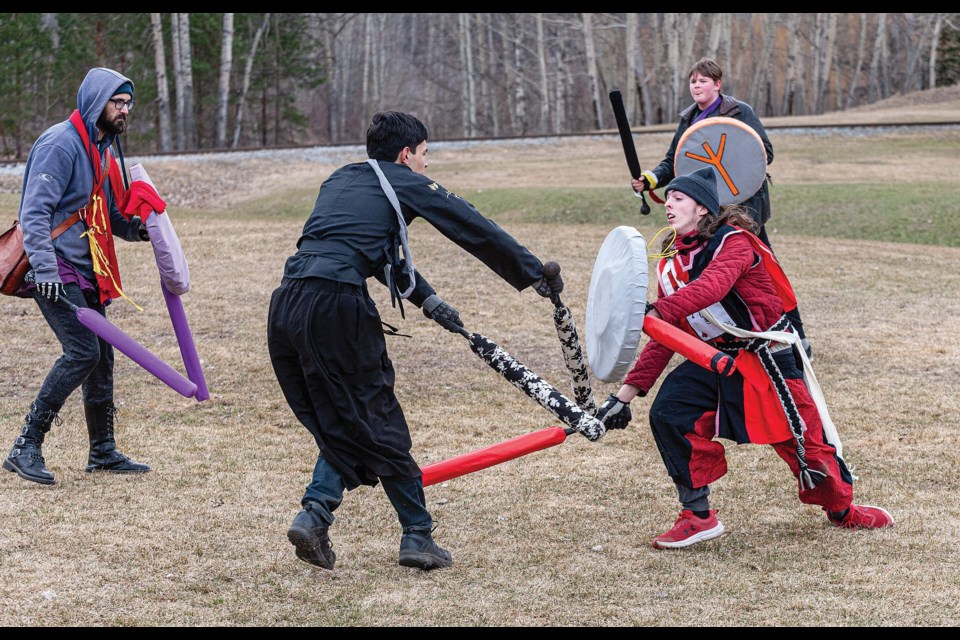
[695,406]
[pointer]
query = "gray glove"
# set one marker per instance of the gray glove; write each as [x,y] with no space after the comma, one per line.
[442,313]
[50,290]
[614,413]
[551,284]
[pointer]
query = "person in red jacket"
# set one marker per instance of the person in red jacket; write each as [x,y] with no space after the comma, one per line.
[720,282]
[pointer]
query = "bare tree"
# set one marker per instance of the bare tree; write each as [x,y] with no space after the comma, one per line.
[245,83]
[347,61]
[473,74]
[631,41]
[563,84]
[469,109]
[825,34]
[641,72]
[719,35]
[163,95]
[672,33]
[878,61]
[517,93]
[592,70]
[367,81]
[689,24]
[791,75]
[858,66]
[758,92]
[542,67]
[186,70]
[179,89]
[223,88]
[934,41]
[494,66]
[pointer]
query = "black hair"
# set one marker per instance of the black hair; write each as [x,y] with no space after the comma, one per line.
[390,131]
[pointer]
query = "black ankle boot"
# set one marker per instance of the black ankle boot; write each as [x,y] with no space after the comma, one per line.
[309,534]
[103,447]
[418,549]
[26,459]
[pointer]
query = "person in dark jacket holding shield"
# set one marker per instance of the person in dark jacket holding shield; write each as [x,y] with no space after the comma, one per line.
[326,338]
[705,81]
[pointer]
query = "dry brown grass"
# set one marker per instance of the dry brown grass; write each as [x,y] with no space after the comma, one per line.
[556,538]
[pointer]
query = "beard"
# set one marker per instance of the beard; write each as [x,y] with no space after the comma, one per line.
[115,127]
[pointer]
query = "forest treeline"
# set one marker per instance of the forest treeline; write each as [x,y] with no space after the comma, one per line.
[243,80]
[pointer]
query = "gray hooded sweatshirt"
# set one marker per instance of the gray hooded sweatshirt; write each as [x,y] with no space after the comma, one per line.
[57,182]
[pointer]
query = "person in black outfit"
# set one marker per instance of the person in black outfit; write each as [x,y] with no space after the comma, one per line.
[326,339]
[705,80]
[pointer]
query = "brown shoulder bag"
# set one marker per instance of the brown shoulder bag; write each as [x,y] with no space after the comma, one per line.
[14,264]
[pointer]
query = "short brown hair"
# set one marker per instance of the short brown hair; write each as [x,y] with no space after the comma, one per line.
[707,67]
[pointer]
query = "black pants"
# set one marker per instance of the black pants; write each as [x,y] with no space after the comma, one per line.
[87,360]
[328,351]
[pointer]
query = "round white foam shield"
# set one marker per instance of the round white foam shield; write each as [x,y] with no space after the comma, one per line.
[616,303]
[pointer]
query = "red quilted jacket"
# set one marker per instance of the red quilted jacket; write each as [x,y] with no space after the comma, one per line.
[735,265]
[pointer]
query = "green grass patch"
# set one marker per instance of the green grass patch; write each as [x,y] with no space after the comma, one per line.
[562,206]
[921,213]
[296,203]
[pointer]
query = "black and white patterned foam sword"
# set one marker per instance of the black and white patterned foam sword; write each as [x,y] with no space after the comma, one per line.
[570,345]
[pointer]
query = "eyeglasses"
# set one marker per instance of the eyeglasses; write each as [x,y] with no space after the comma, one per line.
[120,103]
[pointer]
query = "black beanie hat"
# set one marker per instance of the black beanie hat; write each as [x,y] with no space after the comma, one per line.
[701,185]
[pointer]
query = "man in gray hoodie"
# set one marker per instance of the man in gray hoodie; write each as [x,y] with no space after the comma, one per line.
[72,182]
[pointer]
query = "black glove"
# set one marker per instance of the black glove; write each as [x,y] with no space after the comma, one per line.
[614,413]
[142,233]
[551,284]
[444,315]
[50,290]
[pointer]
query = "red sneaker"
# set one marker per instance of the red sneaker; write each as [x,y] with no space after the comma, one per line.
[864,517]
[688,530]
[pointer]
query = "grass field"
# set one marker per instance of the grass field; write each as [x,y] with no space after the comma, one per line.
[556,538]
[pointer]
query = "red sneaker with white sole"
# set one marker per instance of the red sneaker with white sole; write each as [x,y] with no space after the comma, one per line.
[689,530]
[863,517]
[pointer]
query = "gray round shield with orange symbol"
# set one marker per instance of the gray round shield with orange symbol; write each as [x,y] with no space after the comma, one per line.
[732,148]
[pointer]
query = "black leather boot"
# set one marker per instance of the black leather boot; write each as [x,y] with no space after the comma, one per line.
[103,447]
[309,534]
[418,549]
[26,459]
